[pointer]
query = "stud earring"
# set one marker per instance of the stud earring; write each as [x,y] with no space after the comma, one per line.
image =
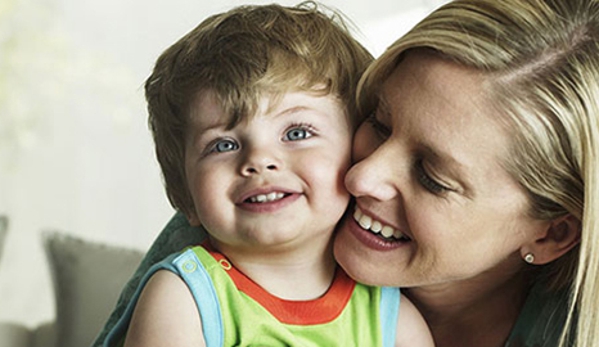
[529,258]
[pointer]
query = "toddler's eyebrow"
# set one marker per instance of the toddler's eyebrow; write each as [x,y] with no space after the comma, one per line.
[290,110]
[196,131]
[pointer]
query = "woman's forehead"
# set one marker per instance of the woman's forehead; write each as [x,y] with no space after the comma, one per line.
[443,108]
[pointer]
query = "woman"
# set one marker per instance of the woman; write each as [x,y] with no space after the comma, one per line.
[482,151]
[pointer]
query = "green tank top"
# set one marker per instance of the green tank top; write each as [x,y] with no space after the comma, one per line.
[235,311]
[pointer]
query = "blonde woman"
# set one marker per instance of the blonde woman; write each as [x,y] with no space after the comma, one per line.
[481,150]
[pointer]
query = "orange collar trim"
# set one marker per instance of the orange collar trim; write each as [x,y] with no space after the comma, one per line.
[307,312]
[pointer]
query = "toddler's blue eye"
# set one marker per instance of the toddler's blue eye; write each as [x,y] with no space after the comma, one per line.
[297,134]
[225,146]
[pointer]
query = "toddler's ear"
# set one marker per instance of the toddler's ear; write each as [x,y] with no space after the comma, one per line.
[193,219]
[561,235]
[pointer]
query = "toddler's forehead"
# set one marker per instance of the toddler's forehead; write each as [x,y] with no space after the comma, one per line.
[209,110]
[232,109]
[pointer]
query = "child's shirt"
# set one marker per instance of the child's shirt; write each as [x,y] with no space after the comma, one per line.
[235,311]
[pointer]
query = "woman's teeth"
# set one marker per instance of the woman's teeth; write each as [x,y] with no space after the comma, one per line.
[376,227]
[266,197]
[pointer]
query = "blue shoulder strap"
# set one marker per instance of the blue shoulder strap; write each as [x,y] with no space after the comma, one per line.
[188,267]
[389,313]
[200,284]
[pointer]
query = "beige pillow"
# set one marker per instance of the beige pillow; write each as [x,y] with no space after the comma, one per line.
[88,278]
[14,335]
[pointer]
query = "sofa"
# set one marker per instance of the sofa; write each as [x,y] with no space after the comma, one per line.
[88,278]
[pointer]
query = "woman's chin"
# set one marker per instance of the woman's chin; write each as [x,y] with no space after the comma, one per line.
[356,259]
[367,258]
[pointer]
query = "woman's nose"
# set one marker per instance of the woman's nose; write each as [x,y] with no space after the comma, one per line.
[260,160]
[374,176]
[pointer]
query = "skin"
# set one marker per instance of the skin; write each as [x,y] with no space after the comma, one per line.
[429,166]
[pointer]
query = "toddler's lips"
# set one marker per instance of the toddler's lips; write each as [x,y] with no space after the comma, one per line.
[262,198]
[267,200]
[262,194]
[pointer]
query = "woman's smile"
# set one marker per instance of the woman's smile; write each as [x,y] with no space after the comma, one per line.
[376,227]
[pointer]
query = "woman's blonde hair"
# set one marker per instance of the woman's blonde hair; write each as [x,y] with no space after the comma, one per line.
[542,60]
[240,55]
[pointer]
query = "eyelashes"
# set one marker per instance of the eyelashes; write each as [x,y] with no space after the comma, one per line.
[223,145]
[427,181]
[299,131]
[381,130]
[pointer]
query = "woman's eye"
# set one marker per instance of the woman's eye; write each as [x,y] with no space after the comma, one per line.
[427,181]
[225,145]
[381,129]
[298,133]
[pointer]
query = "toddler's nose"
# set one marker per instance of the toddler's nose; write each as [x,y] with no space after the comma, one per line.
[260,161]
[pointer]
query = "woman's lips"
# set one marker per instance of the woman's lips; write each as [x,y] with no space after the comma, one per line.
[376,227]
[365,231]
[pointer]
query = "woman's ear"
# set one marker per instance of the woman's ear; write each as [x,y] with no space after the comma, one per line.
[560,236]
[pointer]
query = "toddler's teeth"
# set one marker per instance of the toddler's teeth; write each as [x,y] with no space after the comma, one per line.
[267,197]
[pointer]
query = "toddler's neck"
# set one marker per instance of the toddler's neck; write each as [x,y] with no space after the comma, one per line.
[302,274]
